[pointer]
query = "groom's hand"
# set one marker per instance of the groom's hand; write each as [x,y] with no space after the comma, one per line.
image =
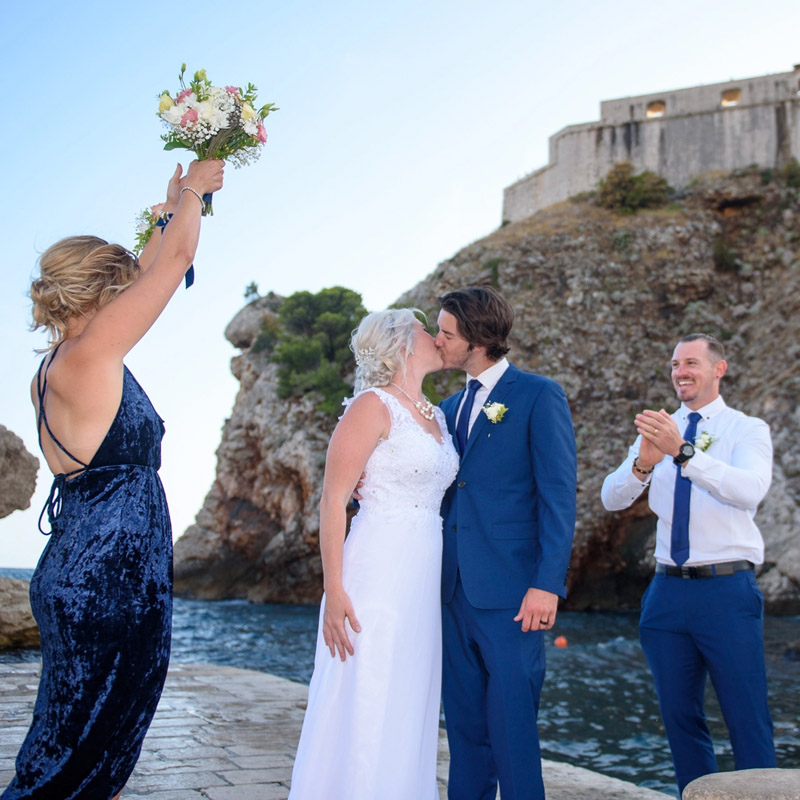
[357,491]
[538,610]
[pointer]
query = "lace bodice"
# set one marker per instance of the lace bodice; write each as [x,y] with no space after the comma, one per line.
[409,469]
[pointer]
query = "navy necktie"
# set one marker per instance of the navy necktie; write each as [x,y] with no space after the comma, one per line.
[462,429]
[679,545]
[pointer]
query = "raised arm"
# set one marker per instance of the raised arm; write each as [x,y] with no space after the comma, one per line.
[147,256]
[118,326]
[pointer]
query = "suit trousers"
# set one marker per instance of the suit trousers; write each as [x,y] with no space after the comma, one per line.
[690,628]
[492,677]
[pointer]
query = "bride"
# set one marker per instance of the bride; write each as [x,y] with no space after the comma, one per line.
[371,726]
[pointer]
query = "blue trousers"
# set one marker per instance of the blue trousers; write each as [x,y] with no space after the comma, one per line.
[492,677]
[714,626]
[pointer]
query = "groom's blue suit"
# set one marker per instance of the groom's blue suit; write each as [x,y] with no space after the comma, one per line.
[509,519]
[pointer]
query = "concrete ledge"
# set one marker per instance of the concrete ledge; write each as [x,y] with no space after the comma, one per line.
[222,733]
[746,784]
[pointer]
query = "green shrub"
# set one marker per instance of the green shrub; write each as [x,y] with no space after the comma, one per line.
[312,344]
[493,266]
[622,239]
[267,337]
[791,174]
[583,197]
[724,256]
[626,193]
[251,291]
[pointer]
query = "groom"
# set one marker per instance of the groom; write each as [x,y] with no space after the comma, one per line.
[508,518]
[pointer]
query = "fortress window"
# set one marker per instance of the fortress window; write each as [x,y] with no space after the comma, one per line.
[731,97]
[656,108]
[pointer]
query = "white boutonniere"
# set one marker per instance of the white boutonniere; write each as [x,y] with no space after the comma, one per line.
[495,412]
[704,441]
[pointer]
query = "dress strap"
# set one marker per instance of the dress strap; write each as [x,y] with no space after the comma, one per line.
[41,389]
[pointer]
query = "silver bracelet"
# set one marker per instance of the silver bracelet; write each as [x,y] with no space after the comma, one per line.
[195,193]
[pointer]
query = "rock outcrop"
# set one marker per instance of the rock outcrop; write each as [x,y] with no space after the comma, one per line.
[600,301]
[746,784]
[18,470]
[257,533]
[17,625]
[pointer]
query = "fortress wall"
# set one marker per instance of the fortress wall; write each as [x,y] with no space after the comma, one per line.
[677,147]
[695,135]
[701,99]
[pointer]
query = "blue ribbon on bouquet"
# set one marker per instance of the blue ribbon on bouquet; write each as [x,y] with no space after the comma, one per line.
[161,222]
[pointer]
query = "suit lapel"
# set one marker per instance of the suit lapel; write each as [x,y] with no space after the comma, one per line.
[501,389]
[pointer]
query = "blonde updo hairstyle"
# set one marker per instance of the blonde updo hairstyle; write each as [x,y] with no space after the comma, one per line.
[381,343]
[78,275]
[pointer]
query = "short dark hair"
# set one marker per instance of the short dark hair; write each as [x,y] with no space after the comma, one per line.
[483,317]
[715,348]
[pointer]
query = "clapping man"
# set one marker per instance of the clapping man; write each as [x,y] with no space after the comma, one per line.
[708,468]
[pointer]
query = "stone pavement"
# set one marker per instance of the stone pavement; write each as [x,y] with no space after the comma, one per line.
[222,733]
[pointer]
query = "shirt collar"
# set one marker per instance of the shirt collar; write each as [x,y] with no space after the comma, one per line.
[489,377]
[715,407]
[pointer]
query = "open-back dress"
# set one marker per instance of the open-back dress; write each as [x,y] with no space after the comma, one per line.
[102,597]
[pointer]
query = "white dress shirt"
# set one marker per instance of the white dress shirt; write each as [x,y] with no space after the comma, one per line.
[729,480]
[488,378]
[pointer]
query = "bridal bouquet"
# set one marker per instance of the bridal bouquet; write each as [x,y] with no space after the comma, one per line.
[214,122]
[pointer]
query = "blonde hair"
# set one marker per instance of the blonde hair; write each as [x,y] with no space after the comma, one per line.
[381,343]
[78,275]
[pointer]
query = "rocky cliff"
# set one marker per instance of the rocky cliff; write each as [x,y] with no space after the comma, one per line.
[600,301]
[18,470]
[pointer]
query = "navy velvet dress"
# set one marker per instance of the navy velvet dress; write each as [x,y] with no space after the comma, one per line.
[102,597]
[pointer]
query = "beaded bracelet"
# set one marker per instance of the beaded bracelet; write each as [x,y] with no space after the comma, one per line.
[639,469]
[195,193]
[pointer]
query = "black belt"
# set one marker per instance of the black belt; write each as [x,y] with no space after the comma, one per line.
[704,570]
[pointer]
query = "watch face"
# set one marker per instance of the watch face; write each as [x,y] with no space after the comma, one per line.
[687,450]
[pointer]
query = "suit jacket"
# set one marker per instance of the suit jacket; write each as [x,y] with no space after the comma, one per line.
[509,516]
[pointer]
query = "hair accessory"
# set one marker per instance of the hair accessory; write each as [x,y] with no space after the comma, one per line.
[425,409]
[364,354]
[195,193]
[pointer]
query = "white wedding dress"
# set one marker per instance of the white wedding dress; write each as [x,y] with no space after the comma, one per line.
[372,722]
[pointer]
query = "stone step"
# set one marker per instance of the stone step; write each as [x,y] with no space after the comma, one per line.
[223,733]
[746,784]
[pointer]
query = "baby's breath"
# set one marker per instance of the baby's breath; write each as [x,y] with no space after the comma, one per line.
[214,122]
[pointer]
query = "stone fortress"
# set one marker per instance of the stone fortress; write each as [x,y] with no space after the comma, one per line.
[677,134]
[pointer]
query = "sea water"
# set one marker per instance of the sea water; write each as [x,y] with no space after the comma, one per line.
[598,706]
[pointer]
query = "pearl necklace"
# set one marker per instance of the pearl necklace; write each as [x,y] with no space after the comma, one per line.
[425,409]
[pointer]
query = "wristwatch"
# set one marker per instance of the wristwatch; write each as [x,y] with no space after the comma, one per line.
[684,454]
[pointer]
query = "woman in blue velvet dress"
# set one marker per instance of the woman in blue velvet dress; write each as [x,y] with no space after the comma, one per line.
[102,592]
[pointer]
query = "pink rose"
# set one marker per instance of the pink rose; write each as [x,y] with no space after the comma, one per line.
[234,90]
[189,117]
[261,133]
[183,95]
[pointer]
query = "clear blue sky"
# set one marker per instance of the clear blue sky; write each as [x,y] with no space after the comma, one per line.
[400,124]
